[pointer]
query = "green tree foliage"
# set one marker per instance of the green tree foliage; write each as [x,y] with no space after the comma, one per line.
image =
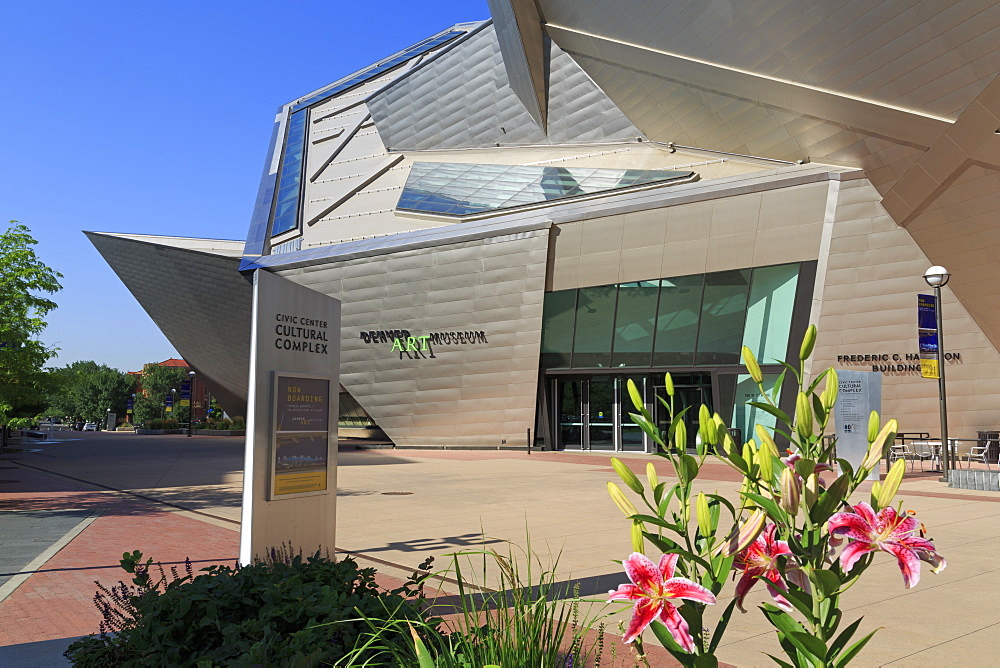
[86,390]
[155,383]
[24,282]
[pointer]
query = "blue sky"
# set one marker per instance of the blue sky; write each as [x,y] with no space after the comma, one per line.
[154,118]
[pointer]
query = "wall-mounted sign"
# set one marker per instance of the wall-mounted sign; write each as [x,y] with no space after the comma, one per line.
[299,456]
[420,346]
[892,363]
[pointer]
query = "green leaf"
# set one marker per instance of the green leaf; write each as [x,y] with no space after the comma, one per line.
[809,644]
[424,658]
[830,499]
[767,504]
[819,379]
[720,627]
[658,521]
[768,408]
[826,581]
[844,637]
[662,634]
[686,467]
[853,650]
[776,390]
[783,664]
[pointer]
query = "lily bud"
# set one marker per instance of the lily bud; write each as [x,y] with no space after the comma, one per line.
[618,496]
[668,382]
[789,492]
[766,462]
[681,436]
[750,362]
[891,484]
[742,538]
[706,426]
[626,475]
[637,541]
[803,416]
[808,341]
[651,476]
[879,445]
[750,452]
[636,397]
[811,490]
[765,440]
[873,426]
[704,516]
[829,396]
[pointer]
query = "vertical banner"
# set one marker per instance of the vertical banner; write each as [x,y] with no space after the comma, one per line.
[185,392]
[168,402]
[860,393]
[128,408]
[927,335]
[290,468]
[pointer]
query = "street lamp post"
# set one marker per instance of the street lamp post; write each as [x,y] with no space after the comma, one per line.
[107,418]
[173,402]
[191,375]
[937,277]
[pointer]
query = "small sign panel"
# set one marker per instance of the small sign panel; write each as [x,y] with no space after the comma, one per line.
[300,453]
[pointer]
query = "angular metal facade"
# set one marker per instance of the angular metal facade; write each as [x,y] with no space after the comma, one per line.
[199,301]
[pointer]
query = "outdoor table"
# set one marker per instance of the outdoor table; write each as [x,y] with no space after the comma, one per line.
[935,449]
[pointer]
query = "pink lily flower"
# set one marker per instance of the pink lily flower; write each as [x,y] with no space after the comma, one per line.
[652,589]
[758,561]
[889,532]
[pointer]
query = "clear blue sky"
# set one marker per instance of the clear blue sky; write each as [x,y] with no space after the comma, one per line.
[154,118]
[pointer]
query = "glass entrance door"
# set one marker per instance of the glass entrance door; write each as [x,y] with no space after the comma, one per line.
[601,414]
[570,405]
[593,414]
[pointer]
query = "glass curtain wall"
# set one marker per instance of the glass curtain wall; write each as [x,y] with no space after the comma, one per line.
[604,335]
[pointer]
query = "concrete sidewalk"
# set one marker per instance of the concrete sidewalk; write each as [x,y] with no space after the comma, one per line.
[397,507]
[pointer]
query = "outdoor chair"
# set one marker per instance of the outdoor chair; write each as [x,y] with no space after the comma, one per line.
[901,451]
[980,452]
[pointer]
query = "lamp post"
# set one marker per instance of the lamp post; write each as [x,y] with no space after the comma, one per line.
[107,418]
[173,402]
[937,277]
[191,375]
[131,418]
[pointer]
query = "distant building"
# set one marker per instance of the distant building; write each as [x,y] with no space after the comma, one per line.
[200,397]
[520,214]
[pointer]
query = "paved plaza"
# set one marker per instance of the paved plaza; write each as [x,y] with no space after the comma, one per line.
[73,505]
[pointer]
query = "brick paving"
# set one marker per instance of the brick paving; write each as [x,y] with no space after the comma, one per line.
[56,601]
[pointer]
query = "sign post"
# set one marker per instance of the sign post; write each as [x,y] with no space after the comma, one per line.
[290,473]
[860,393]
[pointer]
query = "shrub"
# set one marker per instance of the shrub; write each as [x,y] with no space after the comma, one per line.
[288,611]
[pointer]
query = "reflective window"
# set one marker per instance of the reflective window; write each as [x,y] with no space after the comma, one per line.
[459,189]
[595,318]
[558,315]
[723,312]
[634,323]
[286,206]
[677,320]
[769,311]
[744,416]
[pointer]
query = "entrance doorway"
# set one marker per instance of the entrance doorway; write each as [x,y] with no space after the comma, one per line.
[593,411]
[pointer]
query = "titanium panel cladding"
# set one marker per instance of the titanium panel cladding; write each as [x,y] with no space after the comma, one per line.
[464,99]
[171,284]
[469,316]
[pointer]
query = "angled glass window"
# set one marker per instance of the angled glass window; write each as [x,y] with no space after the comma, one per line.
[458,189]
[286,205]
[769,311]
[677,320]
[595,320]
[723,312]
[635,321]
[558,316]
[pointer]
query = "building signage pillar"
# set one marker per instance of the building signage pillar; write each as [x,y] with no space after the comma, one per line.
[860,394]
[290,470]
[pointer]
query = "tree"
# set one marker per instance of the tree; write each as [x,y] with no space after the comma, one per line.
[24,282]
[156,382]
[86,390]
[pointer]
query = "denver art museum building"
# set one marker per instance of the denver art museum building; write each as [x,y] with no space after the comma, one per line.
[522,213]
